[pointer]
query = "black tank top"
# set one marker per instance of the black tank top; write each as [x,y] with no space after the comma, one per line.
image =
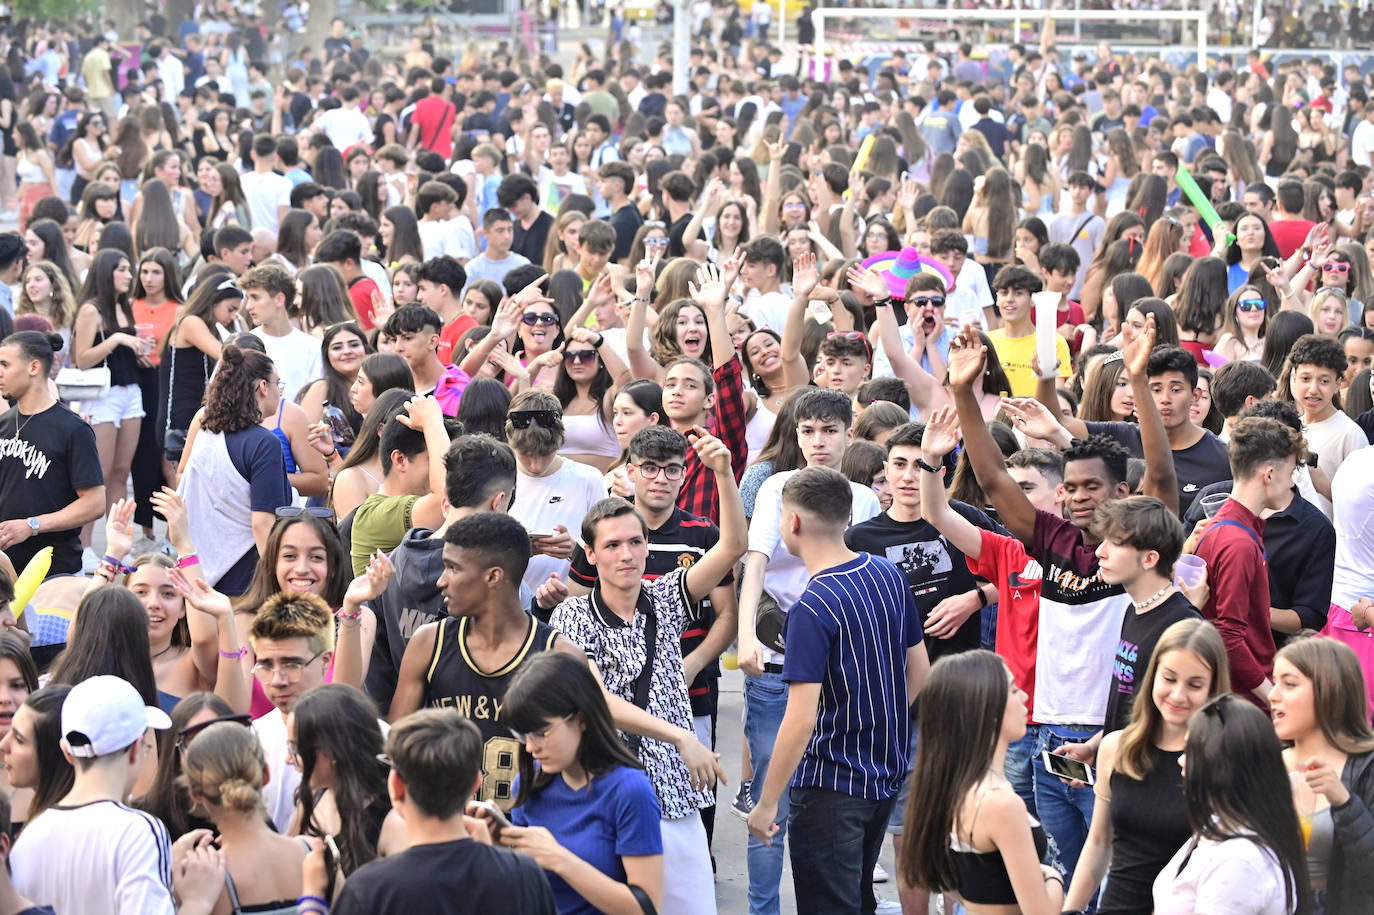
[121,361]
[1149,824]
[184,374]
[453,680]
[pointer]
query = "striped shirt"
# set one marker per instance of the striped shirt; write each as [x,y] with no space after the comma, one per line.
[850,632]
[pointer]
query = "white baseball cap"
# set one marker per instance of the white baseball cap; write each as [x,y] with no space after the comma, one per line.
[109,713]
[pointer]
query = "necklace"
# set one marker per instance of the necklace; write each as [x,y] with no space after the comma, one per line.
[163,652]
[17,426]
[1153,598]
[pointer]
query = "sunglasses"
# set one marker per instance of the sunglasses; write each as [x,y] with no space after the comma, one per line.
[934,301]
[846,334]
[579,356]
[186,735]
[295,511]
[1250,305]
[655,242]
[1335,267]
[521,419]
[533,318]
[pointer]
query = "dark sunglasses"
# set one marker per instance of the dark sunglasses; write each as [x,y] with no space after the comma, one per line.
[935,301]
[533,318]
[1335,267]
[295,511]
[1251,305]
[577,356]
[521,419]
[186,735]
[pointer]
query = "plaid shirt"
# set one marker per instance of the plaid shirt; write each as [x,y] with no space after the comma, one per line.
[727,422]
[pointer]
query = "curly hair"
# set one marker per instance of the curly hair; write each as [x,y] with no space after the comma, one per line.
[663,344]
[230,402]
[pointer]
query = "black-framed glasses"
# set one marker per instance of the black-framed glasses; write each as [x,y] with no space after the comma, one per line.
[534,318]
[314,511]
[577,356]
[650,470]
[1251,305]
[921,301]
[188,734]
[521,419]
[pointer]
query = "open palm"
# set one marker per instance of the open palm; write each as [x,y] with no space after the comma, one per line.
[966,359]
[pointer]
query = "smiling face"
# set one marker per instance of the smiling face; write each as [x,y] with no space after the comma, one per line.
[1086,485]
[208,177]
[1313,388]
[1182,685]
[684,393]
[153,587]
[37,284]
[689,330]
[1359,354]
[764,352]
[538,338]
[346,352]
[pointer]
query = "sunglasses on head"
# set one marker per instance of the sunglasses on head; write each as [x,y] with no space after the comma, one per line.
[521,419]
[533,318]
[847,334]
[1335,267]
[295,511]
[1251,305]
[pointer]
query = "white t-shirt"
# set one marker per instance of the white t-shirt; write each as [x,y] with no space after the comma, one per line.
[767,309]
[1362,142]
[1352,489]
[971,294]
[345,126]
[785,577]
[95,859]
[265,192]
[295,356]
[453,237]
[1332,440]
[1232,877]
[562,497]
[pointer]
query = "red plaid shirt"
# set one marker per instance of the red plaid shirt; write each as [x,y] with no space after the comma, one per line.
[727,421]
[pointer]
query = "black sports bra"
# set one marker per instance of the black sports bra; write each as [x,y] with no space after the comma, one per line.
[983,878]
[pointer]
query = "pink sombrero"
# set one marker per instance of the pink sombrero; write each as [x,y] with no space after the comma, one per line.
[899,266]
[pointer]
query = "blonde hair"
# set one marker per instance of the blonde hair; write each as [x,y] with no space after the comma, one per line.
[287,615]
[1319,299]
[63,303]
[224,765]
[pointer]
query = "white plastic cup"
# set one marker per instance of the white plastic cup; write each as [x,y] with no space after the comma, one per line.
[1189,571]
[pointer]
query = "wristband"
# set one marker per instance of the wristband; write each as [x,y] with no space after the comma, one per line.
[600,339]
[343,614]
[982,596]
[319,900]
[332,454]
[115,566]
[921,463]
[233,655]
[883,302]
[185,562]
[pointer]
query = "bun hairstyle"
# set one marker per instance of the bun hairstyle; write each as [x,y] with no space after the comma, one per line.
[36,347]
[231,403]
[224,765]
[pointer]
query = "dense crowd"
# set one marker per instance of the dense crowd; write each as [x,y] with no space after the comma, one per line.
[398,447]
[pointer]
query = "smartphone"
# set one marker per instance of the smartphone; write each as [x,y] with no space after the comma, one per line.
[534,536]
[1067,767]
[497,816]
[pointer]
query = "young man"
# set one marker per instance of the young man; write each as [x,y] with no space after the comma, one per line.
[615,181]
[678,196]
[435,202]
[92,854]
[12,256]
[520,195]
[856,662]
[1314,382]
[440,285]
[344,250]
[596,242]
[233,246]
[269,292]
[312,198]
[761,270]
[50,478]
[413,446]
[773,581]
[1264,454]
[925,309]
[1199,457]
[1059,271]
[1014,341]
[435,757]
[969,299]
[416,330]
[1140,540]
[1079,227]
[498,260]
[1288,227]
[626,618]
[268,194]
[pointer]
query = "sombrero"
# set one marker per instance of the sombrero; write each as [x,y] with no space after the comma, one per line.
[899,266]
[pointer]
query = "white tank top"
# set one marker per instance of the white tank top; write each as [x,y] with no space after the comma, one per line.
[585,434]
[759,428]
[215,491]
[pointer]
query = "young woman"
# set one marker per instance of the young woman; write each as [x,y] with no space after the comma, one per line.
[1140,818]
[166,799]
[1329,311]
[344,348]
[585,386]
[224,772]
[99,207]
[323,301]
[400,234]
[638,404]
[87,151]
[297,237]
[33,755]
[377,374]
[484,406]
[588,814]
[991,220]
[966,830]
[195,341]
[43,290]
[34,165]
[1247,319]
[1320,708]
[1204,412]
[1246,852]
[561,251]
[156,298]
[161,225]
[18,679]
[227,204]
[1107,392]
[165,166]
[45,240]
[405,280]
[1039,184]
[537,336]
[105,336]
[1253,241]
[360,475]
[1199,305]
[481,300]
[211,140]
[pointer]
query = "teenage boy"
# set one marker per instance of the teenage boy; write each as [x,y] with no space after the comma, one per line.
[627,624]
[439,287]
[498,260]
[615,180]
[416,331]
[596,242]
[1014,341]
[50,478]
[413,446]
[267,193]
[1059,271]
[1080,614]
[91,853]
[678,195]
[233,247]
[773,581]
[1140,540]
[1264,454]
[479,476]
[269,293]
[925,311]
[1289,229]
[520,195]
[344,251]
[1079,227]
[761,270]
[435,202]
[435,757]
[345,126]
[856,663]
[969,300]
[1199,457]
[1316,365]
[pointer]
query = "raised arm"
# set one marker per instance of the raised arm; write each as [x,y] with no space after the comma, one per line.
[805,278]
[708,291]
[711,569]
[1161,481]
[503,325]
[350,654]
[425,414]
[870,287]
[772,188]
[642,365]
[940,438]
[710,206]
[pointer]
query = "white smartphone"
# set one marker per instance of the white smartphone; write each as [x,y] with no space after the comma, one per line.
[1067,767]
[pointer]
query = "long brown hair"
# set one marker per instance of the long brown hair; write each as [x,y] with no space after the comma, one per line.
[264,584]
[230,402]
[1339,701]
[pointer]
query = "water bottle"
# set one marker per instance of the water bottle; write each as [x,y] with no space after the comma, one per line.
[339,429]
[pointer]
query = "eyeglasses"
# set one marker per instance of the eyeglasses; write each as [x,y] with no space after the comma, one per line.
[186,735]
[314,511]
[921,301]
[1335,267]
[541,735]
[521,419]
[655,242]
[670,471]
[577,356]
[533,318]
[1250,305]
[290,668]
[281,385]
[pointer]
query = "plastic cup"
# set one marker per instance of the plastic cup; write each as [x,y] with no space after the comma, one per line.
[1189,571]
[1211,504]
[146,332]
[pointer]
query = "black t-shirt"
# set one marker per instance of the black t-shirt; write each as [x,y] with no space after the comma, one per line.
[626,222]
[1104,124]
[934,568]
[1200,464]
[676,247]
[44,459]
[300,107]
[530,242]
[337,47]
[1140,633]
[447,878]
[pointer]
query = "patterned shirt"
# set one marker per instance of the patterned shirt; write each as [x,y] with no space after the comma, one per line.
[699,495]
[618,648]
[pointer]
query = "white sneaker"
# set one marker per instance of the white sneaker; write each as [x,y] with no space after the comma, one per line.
[888,907]
[879,875]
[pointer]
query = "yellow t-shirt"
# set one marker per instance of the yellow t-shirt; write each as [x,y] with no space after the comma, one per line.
[1015,355]
[95,70]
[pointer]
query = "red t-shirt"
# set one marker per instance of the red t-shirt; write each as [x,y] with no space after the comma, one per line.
[435,114]
[451,334]
[1289,234]
[1005,562]
[360,291]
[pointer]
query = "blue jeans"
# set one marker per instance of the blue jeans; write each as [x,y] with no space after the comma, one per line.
[765,700]
[1065,812]
[835,843]
[1020,765]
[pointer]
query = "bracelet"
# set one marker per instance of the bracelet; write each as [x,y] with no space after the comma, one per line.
[313,904]
[334,453]
[982,596]
[233,655]
[185,562]
[343,614]
[310,908]
[883,302]
[921,463]
[1057,879]
[600,339]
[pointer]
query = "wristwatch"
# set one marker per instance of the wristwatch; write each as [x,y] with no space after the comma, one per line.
[33,525]
[921,463]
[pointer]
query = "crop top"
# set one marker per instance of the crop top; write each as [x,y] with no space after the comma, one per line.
[983,878]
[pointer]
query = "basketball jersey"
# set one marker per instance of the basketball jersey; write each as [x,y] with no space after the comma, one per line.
[453,680]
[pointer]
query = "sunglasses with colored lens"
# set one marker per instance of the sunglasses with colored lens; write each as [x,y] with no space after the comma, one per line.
[1335,267]
[533,318]
[1251,305]
[847,334]
[921,301]
[576,356]
[314,511]
[655,242]
[521,419]
[186,735]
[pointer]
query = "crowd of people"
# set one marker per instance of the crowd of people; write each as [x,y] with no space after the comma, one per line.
[398,448]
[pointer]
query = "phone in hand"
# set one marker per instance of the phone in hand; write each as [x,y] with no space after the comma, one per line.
[498,817]
[1067,767]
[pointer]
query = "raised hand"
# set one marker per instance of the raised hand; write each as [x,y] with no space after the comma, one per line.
[708,290]
[644,275]
[711,450]
[421,411]
[1137,352]
[941,435]
[805,276]
[532,293]
[199,595]
[906,196]
[507,319]
[1031,417]
[119,529]
[868,284]
[382,308]
[370,585]
[171,506]
[967,356]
